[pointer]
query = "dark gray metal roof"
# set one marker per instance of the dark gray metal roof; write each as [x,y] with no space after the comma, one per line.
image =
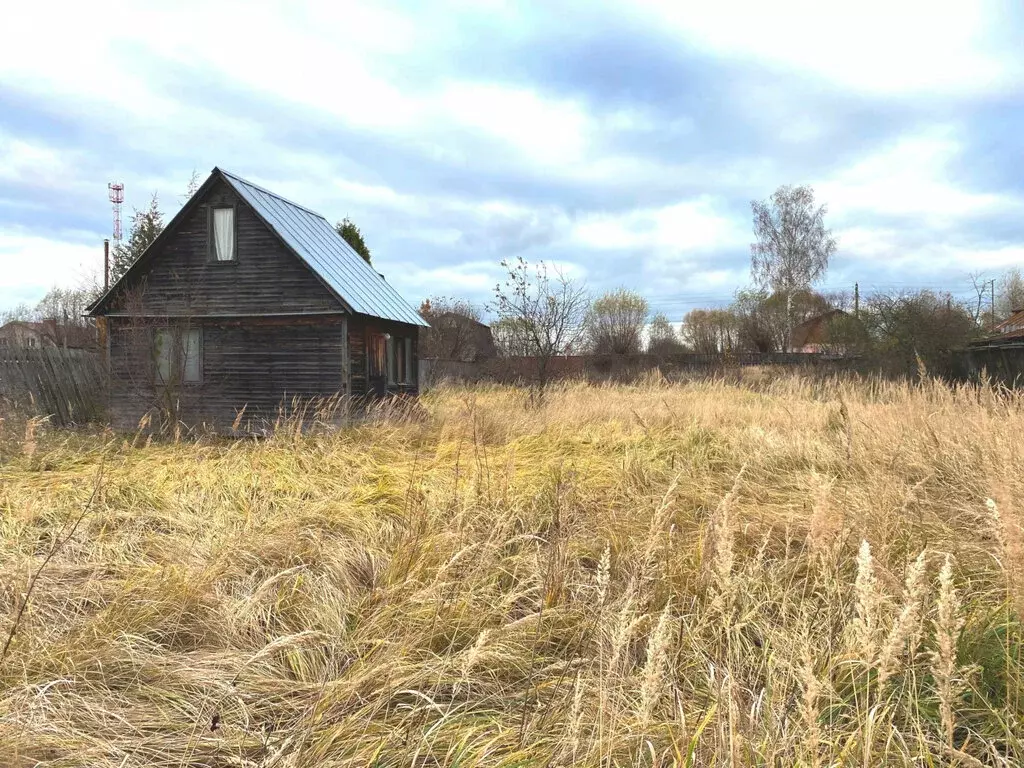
[317,243]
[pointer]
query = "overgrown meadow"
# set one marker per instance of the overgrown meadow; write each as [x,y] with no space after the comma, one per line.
[766,571]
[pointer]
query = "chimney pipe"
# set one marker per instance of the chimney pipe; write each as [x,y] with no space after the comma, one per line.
[106,264]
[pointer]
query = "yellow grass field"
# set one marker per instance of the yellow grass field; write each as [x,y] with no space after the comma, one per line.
[764,572]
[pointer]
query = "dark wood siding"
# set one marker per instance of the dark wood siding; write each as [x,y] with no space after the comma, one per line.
[357,354]
[266,277]
[359,329]
[259,364]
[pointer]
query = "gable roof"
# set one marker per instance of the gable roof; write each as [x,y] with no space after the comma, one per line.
[316,243]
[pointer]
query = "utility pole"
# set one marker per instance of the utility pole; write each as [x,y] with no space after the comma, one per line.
[992,283]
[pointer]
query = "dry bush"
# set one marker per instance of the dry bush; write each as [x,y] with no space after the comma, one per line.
[709,573]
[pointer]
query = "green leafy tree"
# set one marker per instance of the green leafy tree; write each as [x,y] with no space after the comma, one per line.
[348,230]
[145,227]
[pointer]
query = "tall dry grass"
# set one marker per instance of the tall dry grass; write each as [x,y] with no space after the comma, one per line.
[769,572]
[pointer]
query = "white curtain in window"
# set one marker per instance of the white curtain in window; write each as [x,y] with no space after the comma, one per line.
[224,233]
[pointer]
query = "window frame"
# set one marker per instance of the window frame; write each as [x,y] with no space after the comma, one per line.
[211,238]
[177,356]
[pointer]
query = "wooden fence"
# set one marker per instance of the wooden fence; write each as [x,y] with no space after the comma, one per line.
[66,384]
[1000,362]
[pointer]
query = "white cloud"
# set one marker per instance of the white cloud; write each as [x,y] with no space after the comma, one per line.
[363,66]
[889,46]
[32,265]
[30,162]
[910,178]
[884,248]
[685,226]
[544,130]
[471,278]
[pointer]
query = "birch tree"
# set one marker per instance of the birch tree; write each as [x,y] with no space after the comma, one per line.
[793,246]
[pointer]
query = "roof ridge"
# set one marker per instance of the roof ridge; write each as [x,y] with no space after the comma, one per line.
[266,191]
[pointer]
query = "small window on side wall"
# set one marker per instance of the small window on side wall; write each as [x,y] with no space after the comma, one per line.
[222,234]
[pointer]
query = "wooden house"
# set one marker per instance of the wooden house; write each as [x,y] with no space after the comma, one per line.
[46,333]
[246,304]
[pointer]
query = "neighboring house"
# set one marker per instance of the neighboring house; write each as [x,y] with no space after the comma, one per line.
[460,338]
[1010,331]
[48,333]
[812,336]
[245,303]
[19,333]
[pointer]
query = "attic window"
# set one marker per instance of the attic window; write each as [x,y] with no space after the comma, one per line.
[222,234]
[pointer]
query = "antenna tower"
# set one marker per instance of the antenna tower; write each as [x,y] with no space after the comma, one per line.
[116,191]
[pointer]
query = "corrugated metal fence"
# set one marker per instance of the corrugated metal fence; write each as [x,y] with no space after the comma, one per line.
[65,384]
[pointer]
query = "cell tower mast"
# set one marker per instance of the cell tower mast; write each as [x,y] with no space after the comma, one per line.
[116,191]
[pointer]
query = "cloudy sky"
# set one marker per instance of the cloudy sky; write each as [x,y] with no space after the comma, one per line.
[623,141]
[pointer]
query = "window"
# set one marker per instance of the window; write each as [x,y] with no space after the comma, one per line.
[222,234]
[392,378]
[409,377]
[399,353]
[390,357]
[402,361]
[178,355]
[376,353]
[191,342]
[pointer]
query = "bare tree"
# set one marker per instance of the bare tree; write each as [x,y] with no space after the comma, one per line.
[62,315]
[982,297]
[1009,293]
[763,320]
[793,245]
[547,311]
[662,339]
[709,331]
[511,338]
[20,313]
[615,323]
[905,327]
